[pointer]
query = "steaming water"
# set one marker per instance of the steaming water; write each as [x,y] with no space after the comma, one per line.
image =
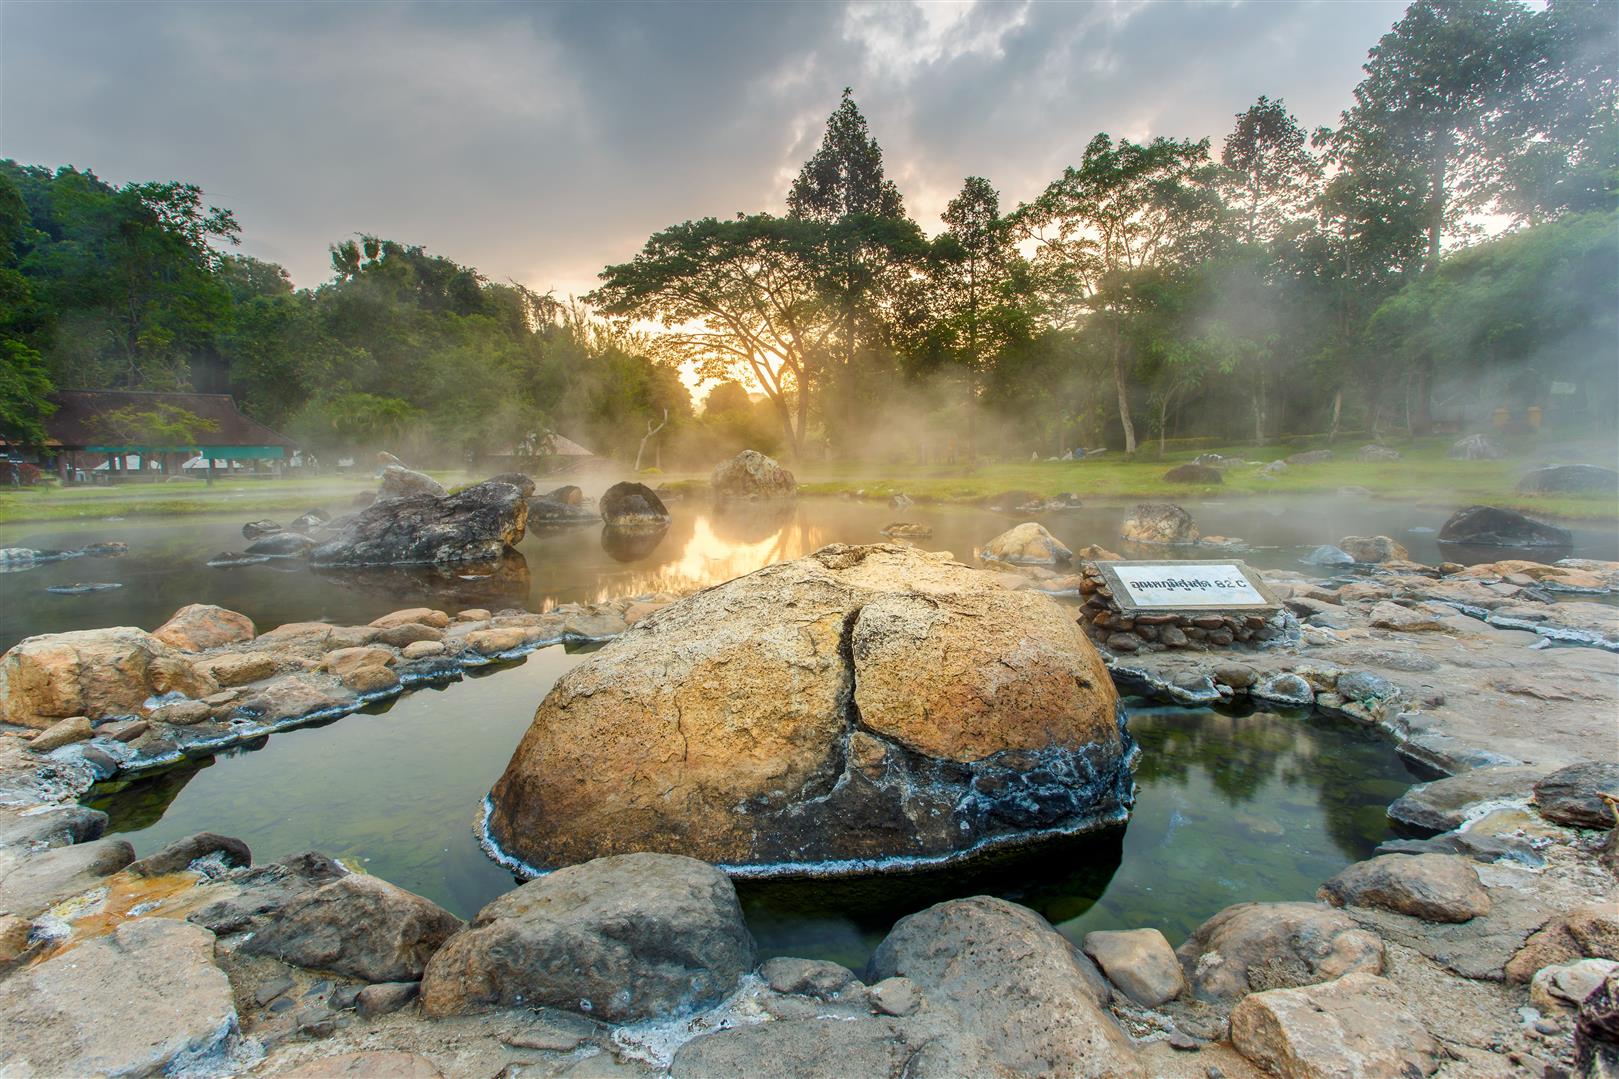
[165,567]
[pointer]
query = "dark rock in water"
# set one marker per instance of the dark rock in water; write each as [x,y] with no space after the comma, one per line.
[520,480]
[475,524]
[80,588]
[563,506]
[1475,448]
[254,529]
[1571,479]
[750,474]
[1012,502]
[401,482]
[568,495]
[1487,526]
[1066,500]
[638,936]
[631,544]
[630,505]
[310,521]
[1158,524]
[1193,473]
[744,722]
[236,558]
[1309,457]
[282,545]
[105,549]
[1574,795]
[1327,555]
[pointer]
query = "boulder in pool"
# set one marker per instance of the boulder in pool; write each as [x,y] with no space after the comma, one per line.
[1029,544]
[825,714]
[99,673]
[282,545]
[1571,480]
[1372,549]
[1160,524]
[256,529]
[631,505]
[567,505]
[1487,526]
[750,474]
[476,524]
[401,482]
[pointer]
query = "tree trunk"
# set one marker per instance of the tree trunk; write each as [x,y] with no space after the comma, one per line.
[1337,413]
[1123,388]
[1259,409]
[1422,407]
[1436,198]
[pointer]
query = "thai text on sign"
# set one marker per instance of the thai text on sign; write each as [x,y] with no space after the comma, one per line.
[1187,585]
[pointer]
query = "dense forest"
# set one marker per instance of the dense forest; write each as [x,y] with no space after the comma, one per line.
[1451,246]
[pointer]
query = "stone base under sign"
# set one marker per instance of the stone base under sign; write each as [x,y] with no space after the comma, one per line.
[1143,632]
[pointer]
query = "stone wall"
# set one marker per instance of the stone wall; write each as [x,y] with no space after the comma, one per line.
[1125,632]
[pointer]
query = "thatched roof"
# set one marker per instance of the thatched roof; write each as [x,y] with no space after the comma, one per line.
[78,423]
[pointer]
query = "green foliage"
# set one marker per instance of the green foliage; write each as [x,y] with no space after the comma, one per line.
[159,427]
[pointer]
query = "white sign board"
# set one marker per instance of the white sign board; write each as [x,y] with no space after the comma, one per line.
[1185,586]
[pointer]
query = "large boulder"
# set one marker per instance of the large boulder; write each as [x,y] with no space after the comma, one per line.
[750,474]
[566,505]
[1027,544]
[1252,947]
[1572,480]
[360,926]
[1158,524]
[1433,887]
[1012,981]
[1487,526]
[626,938]
[1353,1028]
[863,702]
[1373,549]
[1581,795]
[478,523]
[400,482]
[97,673]
[146,999]
[630,506]
[198,627]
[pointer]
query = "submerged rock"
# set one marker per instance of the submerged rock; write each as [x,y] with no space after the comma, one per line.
[750,474]
[1487,526]
[476,524]
[628,506]
[1158,524]
[257,529]
[859,703]
[632,937]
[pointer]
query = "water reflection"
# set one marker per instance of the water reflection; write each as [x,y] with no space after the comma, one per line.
[631,544]
[502,582]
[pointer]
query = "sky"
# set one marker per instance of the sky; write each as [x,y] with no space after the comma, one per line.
[540,142]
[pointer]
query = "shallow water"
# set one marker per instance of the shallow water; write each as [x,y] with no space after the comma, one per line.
[165,567]
[1230,808]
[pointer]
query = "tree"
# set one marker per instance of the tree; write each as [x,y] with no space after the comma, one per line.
[1126,208]
[161,427]
[1274,173]
[734,297]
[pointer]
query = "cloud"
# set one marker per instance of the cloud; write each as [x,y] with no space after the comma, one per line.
[542,142]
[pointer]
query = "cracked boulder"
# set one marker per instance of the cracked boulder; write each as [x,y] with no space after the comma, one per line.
[477,524]
[858,704]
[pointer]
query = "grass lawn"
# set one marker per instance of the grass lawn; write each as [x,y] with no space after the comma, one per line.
[245,497]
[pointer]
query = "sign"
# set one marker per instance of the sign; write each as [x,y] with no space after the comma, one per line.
[1186,586]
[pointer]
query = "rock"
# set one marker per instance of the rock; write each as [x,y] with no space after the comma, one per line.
[1373,549]
[564,506]
[1353,1028]
[1011,501]
[144,999]
[494,642]
[625,938]
[408,634]
[1433,887]
[422,649]
[1327,555]
[632,506]
[1252,947]
[1365,688]
[1288,690]
[201,626]
[14,932]
[780,718]
[181,853]
[99,673]
[1584,932]
[1012,981]
[249,897]
[1140,962]
[1272,470]
[1309,457]
[750,474]
[37,883]
[1158,524]
[255,529]
[1193,473]
[520,480]
[810,1048]
[1575,795]
[906,530]
[400,482]
[476,524]
[895,996]
[51,826]
[368,1064]
[282,545]
[1563,987]
[1027,544]
[1475,448]
[1596,1032]
[1374,452]
[1487,526]
[1571,479]
[385,997]
[1391,616]
[807,977]
[345,661]
[359,926]
[1093,553]
[473,614]
[236,668]
[414,616]
[183,713]
[61,733]
[1446,803]
[310,521]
